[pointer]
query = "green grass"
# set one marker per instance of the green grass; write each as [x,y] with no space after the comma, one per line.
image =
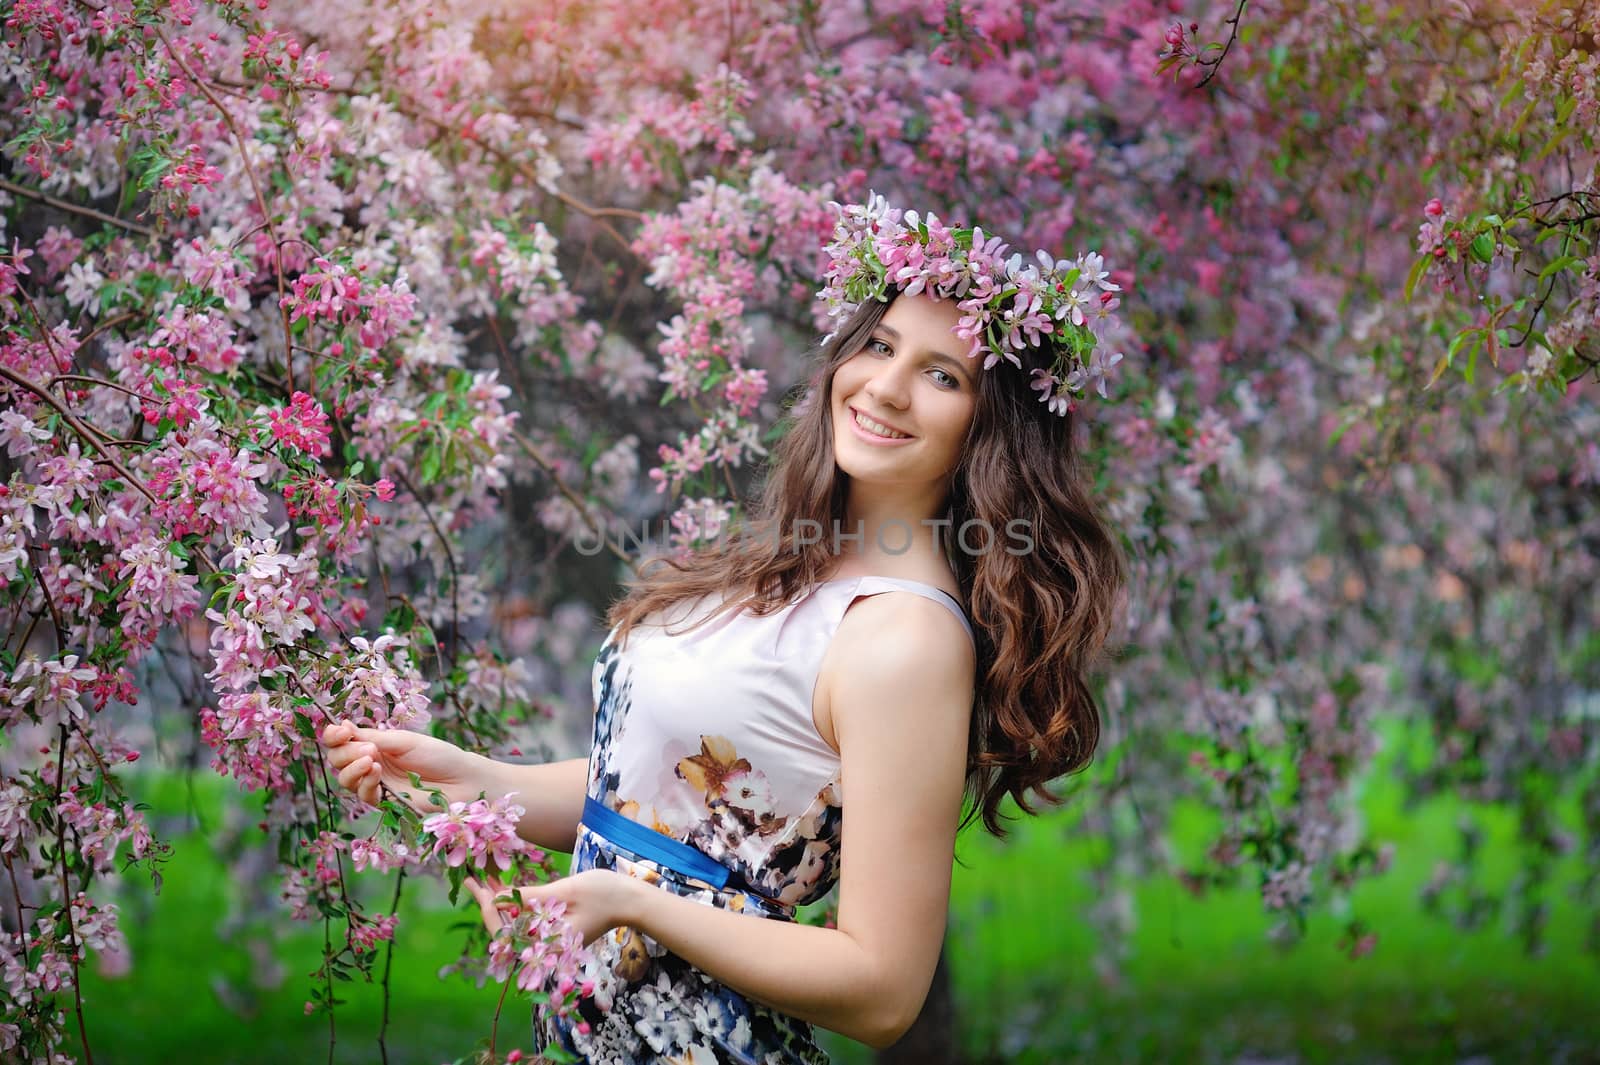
[189,996]
[1200,982]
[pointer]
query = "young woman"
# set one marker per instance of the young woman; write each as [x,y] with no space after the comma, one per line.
[822,660]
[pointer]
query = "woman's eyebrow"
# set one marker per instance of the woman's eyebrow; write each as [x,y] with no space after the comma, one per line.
[938,356]
[958,365]
[895,335]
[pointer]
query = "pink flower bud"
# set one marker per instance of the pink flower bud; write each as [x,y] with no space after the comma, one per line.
[1434,208]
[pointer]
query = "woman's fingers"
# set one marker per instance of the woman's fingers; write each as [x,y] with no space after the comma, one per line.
[340,732]
[344,753]
[350,776]
[341,756]
[485,897]
[337,748]
[356,763]
[371,790]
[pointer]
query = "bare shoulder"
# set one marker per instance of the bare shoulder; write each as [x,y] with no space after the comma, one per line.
[899,642]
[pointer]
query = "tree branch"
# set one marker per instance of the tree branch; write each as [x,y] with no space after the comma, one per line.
[88,437]
[1215,65]
[73,208]
[255,187]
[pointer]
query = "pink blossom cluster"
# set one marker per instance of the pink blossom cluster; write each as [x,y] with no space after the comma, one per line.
[102,828]
[544,950]
[724,439]
[381,686]
[698,522]
[133,359]
[42,958]
[159,589]
[301,426]
[204,485]
[254,738]
[663,128]
[481,833]
[49,691]
[191,171]
[332,293]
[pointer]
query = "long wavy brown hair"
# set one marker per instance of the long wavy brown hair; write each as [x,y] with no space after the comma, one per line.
[1041,617]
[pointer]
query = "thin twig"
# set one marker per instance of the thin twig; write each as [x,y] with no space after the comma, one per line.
[107,324]
[1215,65]
[449,557]
[22,929]
[388,965]
[327,921]
[88,437]
[27,635]
[50,602]
[66,894]
[494,1027]
[255,187]
[73,208]
[539,460]
[86,379]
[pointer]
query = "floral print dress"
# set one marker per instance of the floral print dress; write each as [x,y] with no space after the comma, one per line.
[706,735]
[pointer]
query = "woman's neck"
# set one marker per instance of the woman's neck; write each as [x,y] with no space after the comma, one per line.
[891,537]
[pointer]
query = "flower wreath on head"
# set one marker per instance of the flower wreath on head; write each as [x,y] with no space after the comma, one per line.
[1008,305]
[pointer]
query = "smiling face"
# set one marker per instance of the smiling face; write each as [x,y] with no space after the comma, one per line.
[902,405]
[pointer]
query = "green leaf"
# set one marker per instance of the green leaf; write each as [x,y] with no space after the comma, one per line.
[1344,427]
[430,465]
[1483,247]
[1561,263]
[1416,275]
[1460,339]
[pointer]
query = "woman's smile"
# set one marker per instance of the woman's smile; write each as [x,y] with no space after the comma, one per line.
[874,431]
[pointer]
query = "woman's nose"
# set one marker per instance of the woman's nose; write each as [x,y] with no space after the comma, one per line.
[889,386]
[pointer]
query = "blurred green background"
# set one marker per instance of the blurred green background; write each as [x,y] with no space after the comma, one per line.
[1201,980]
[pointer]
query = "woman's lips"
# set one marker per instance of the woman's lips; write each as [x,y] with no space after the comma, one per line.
[871,437]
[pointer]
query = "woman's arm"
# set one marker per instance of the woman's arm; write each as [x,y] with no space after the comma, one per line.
[552,793]
[899,680]
[369,760]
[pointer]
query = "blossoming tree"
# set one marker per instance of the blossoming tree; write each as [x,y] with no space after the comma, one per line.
[302,304]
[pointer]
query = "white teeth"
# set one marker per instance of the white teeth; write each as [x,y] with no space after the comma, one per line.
[878,428]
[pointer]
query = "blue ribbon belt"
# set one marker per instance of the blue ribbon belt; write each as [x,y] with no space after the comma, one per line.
[648,843]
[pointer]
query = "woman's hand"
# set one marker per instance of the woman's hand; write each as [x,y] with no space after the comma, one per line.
[368,760]
[597,900]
